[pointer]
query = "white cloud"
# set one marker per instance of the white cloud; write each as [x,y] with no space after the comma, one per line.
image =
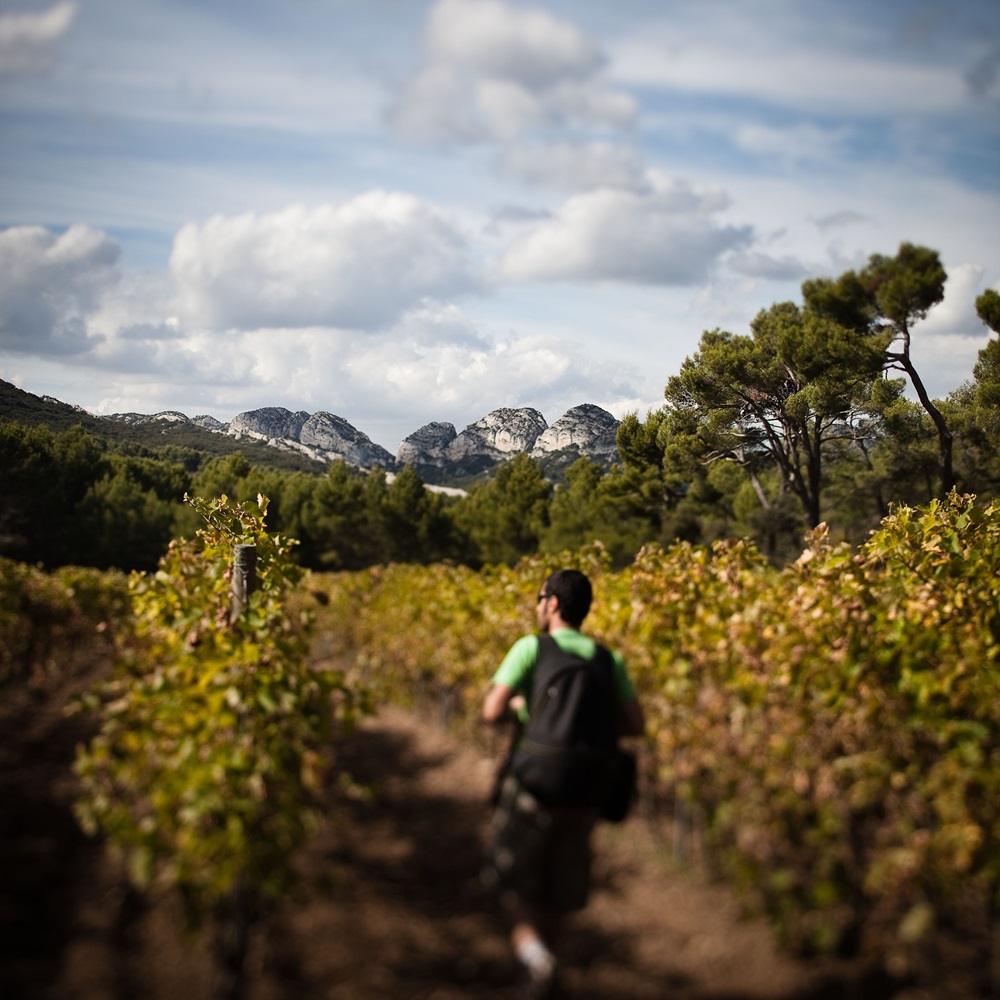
[492,38]
[665,237]
[944,363]
[810,69]
[840,220]
[956,313]
[27,41]
[359,265]
[494,71]
[984,77]
[593,102]
[574,167]
[410,381]
[790,145]
[832,221]
[435,104]
[755,264]
[508,107]
[48,285]
[434,364]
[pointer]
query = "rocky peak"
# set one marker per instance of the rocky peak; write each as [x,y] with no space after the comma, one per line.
[497,436]
[436,451]
[210,423]
[333,435]
[505,431]
[168,416]
[427,445]
[269,423]
[585,429]
[323,436]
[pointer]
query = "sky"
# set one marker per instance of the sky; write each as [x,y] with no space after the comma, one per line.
[405,211]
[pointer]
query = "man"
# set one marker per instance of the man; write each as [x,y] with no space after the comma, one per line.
[539,857]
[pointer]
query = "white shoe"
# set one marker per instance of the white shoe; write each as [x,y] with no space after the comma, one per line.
[539,965]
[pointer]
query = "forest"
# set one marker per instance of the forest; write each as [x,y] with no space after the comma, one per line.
[805,419]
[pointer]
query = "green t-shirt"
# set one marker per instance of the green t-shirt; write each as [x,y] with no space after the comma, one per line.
[519,664]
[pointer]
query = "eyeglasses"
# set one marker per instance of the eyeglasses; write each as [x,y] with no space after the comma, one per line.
[542,597]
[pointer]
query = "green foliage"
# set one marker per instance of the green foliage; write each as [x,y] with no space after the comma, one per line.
[573,513]
[987,369]
[46,476]
[621,509]
[803,396]
[988,308]
[987,375]
[836,720]
[170,441]
[505,517]
[125,518]
[416,524]
[212,730]
[774,400]
[338,527]
[45,616]
[433,635]
[638,441]
[628,505]
[229,475]
[904,288]
[64,500]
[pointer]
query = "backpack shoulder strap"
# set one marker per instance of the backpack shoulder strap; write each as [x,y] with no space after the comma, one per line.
[604,655]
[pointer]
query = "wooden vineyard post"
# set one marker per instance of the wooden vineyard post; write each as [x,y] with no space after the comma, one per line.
[244,578]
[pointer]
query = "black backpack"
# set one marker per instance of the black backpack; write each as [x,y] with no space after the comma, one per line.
[566,752]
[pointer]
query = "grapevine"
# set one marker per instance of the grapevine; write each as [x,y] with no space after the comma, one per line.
[205,770]
[46,617]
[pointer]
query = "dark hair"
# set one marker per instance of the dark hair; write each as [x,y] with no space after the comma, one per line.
[574,592]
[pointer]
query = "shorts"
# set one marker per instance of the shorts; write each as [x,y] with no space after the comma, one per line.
[538,854]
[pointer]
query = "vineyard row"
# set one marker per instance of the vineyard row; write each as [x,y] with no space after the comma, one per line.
[834,724]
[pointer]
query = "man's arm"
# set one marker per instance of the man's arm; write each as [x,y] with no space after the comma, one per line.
[497,699]
[503,695]
[631,721]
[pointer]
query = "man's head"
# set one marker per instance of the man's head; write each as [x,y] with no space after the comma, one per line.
[568,593]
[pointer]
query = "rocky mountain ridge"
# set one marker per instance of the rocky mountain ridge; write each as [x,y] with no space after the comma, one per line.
[583,430]
[437,450]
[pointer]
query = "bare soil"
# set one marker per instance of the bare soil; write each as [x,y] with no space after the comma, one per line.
[390,907]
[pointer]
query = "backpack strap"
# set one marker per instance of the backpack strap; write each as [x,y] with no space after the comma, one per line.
[547,648]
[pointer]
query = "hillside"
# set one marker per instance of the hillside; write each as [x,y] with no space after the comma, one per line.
[182,441]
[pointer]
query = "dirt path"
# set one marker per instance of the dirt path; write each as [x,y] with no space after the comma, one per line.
[391,907]
[417,908]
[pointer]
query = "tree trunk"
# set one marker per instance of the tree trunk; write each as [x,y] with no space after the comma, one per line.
[945,436]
